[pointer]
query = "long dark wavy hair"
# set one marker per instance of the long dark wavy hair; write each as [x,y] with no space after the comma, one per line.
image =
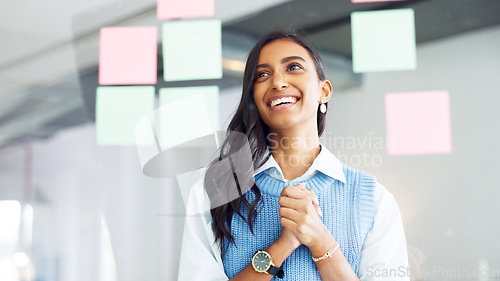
[247,121]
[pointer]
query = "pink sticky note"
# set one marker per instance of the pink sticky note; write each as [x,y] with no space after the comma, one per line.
[418,123]
[369,1]
[176,9]
[128,55]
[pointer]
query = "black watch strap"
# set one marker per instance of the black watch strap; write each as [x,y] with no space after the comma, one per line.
[273,270]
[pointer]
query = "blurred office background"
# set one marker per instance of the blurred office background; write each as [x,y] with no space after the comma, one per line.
[71,209]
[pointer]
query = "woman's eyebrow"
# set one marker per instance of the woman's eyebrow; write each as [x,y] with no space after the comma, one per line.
[284,60]
[287,59]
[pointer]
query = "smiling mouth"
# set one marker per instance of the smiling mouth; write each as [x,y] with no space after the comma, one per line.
[283,101]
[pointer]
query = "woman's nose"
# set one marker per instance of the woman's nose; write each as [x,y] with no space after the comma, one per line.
[279,82]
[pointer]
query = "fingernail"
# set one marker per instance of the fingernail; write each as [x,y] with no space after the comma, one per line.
[320,212]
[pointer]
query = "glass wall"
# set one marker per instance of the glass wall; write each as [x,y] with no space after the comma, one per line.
[95,94]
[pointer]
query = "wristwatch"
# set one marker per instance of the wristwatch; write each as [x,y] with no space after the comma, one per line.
[262,262]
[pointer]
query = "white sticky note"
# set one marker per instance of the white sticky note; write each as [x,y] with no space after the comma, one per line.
[192,50]
[187,114]
[383,40]
[118,110]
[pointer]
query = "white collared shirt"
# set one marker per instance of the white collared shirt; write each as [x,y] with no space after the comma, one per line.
[383,256]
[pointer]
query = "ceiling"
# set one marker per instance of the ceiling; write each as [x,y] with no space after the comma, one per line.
[49,62]
[328,22]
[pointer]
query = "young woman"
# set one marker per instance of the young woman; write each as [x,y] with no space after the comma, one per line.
[306,216]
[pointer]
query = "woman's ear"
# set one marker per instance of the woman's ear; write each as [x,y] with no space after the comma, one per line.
[326,91]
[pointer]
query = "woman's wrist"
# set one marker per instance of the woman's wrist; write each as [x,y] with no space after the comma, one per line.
[287,244]
[279,251]
[323,244]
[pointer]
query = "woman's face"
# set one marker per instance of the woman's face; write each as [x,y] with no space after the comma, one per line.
[287,88]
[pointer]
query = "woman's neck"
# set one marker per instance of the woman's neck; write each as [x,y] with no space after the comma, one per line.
[294,151]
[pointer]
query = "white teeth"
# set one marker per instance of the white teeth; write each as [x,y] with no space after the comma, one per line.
[282,100]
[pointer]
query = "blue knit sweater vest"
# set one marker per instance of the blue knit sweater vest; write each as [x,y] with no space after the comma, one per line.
[348,211]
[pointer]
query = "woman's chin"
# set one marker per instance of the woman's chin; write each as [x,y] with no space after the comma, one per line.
[294,122]
[282,124]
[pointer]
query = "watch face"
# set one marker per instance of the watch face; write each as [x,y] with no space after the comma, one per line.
[261,261]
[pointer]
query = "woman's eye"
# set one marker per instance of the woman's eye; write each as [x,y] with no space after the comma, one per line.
[261,74]
[294,66]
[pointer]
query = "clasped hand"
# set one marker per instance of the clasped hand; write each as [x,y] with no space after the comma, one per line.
[300,216]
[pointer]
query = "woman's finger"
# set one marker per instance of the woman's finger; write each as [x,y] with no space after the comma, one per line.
[287,223]
[288,213]
[293,191]
[313,196]
[314,199]
[292,203]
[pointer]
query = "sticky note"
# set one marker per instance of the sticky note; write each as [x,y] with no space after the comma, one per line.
[118,109]
[418,123]
[187,113]
[175,9]
[128,55]
[383,40]
[210,99]
[180,132]
[192,50]
[369,1]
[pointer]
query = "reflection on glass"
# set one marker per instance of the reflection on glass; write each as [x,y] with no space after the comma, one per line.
[108,265]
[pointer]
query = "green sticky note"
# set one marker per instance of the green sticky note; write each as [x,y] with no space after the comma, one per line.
[186,114]
[192,50]
[118,109]
[383,40]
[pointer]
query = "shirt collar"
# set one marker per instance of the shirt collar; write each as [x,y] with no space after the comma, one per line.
[325,162]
